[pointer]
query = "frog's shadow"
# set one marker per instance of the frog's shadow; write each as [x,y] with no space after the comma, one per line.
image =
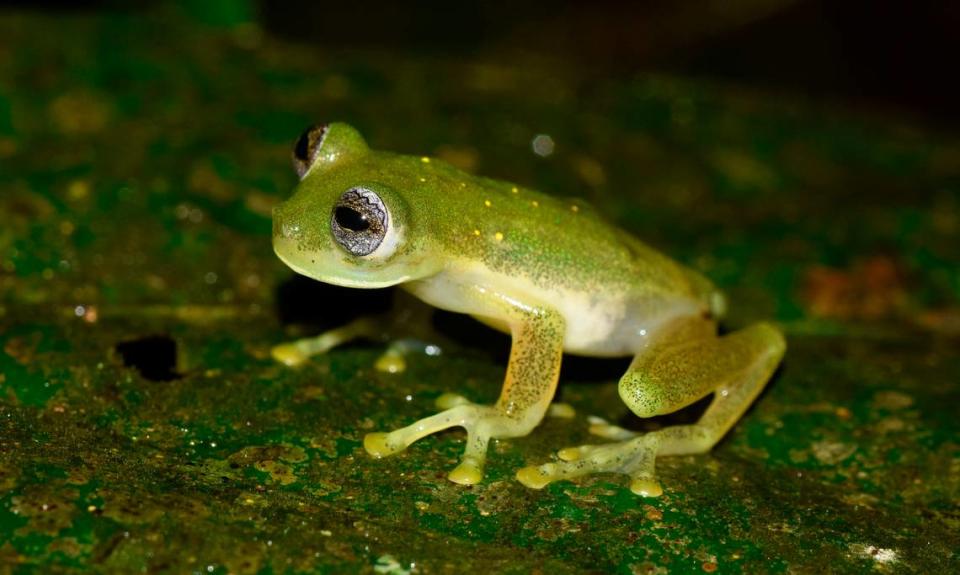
[318,306]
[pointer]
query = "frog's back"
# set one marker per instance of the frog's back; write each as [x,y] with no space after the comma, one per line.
[609,285]
[559,251]
[564,242]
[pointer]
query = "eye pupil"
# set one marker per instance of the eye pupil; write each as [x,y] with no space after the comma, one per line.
[351,219]
[359,221]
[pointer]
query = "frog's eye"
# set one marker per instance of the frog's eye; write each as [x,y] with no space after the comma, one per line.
[359,221]
[306,148]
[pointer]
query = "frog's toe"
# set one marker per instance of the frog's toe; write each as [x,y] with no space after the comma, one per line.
[379,445]
[539,476]
[394,359]
[469,472]
[450,400]
[634,457]
[646,487]
[575,453]
[603,428]
[642,467]
[391,362]
[288,354]
[534,477]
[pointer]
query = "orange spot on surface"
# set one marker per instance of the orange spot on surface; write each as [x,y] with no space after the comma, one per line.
[941,320]
[870,288]
[91,315]
[652,513]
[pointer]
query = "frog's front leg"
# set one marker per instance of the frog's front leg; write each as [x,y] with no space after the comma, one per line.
[406,328]
[531,378]
[686,364]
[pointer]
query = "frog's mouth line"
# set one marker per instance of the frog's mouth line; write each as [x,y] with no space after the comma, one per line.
[297,260]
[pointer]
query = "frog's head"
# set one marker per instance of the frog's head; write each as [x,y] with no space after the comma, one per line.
[347,222]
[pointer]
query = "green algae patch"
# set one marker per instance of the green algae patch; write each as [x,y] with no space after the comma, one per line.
[144,425]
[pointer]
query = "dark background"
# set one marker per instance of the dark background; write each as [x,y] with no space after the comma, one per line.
[892,56]
[887,57]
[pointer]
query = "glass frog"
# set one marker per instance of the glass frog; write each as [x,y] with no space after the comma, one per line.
[549,272]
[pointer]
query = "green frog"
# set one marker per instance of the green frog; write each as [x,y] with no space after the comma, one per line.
[550,272]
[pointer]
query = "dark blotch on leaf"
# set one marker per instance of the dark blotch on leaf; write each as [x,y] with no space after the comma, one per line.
[155,357]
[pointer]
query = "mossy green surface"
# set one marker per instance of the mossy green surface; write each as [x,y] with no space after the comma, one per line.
[140,156]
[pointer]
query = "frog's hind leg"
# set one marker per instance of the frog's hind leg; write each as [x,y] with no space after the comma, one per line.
[683,366]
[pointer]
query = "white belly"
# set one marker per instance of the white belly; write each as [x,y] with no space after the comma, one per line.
[610,326]
[597,323]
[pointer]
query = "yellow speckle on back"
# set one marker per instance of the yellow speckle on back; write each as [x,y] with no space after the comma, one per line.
[422,179]
[476,232]
[514,190]
[574,208]
[498,236]
[487,203]
[535,204]
[425,160]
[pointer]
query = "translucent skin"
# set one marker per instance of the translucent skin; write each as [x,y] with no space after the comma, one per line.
[548,271]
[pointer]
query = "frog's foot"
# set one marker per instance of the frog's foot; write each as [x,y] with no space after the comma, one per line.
[295,353]
[394,359]
[634,457]
[480,421]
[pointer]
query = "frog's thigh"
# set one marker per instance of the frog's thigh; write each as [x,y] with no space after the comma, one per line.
[531,378]
[673,373]
[676,373]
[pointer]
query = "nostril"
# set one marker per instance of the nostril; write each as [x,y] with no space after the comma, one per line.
[283,227]
[289,230]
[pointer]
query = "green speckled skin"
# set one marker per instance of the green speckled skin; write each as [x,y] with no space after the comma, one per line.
[449,215]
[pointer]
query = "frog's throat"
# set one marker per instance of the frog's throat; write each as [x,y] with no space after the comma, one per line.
[299,262]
